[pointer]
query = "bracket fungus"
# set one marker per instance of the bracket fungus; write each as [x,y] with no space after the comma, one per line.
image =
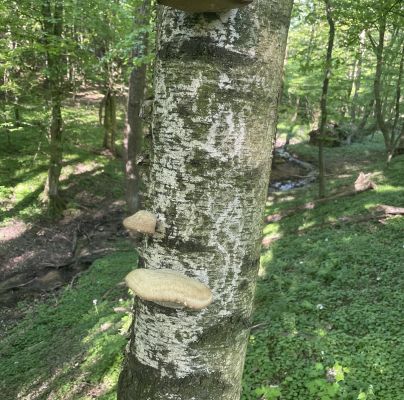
[200,6]
[142,222]
[169,288]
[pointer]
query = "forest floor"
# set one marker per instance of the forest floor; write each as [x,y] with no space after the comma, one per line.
[328,307]
[39,255]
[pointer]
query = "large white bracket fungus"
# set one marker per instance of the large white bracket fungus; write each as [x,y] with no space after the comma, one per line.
[169,288]
[199,6]
[142,222]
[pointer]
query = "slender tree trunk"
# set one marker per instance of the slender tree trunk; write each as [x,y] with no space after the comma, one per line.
[366,114]
[217,84]
[311,44]
[293,121]
[17,112]
[107,116]
[396,138]
[323,102]
[134,127]
[53,29]
[357,76]
[379,49]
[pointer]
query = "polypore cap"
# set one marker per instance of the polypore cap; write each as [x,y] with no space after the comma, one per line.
[199,6]
[169,288]
[142,222]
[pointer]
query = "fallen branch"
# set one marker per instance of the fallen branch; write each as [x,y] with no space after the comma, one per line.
[381,213]
[74,279]
[390,210]
[7,289]
[362,184]
[87,258]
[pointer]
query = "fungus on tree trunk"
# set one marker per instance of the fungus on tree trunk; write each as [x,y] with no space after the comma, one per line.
[205,5]
[169,288]
[212,134]
[141,222]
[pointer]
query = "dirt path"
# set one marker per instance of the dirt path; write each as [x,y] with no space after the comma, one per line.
[38,259]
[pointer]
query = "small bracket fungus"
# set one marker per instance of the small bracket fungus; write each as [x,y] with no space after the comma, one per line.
[142,222]
[169,288]
[199,6]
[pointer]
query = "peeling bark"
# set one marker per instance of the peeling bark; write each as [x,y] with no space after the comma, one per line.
[217,84]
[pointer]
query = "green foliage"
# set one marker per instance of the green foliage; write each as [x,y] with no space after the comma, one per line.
[328,305]
[353,67]
[24,163]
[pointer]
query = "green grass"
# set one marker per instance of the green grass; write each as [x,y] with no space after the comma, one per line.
[72,346]
[329,300]
[328,320]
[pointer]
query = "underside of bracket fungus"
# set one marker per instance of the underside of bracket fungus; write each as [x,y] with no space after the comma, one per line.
[142,222]
[199,6]
[169,288]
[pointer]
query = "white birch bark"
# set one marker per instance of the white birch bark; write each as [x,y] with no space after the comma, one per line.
[217,82]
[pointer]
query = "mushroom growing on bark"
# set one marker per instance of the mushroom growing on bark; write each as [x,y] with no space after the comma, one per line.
[142,222]
[205,5]
[169,288]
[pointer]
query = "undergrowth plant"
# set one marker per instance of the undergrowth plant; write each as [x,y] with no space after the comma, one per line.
[328,320]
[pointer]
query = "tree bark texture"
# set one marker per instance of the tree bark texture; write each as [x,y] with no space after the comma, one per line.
[323,101]
[217,83]
[134,125]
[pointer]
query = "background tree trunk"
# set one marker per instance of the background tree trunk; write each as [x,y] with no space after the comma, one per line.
[217,84]
[357,76]
[134,127]
[323,102]
[379,50]
[108,104]
[396,135]
[53,29]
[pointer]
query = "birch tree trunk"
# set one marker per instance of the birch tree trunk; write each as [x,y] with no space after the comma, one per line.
[217,83]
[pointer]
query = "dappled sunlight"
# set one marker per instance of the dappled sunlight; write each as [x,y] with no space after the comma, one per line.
[78,169]
[271,228]
[389,189]
[325,289]
[12,231]
[265,260]
[87,338]
[38,388]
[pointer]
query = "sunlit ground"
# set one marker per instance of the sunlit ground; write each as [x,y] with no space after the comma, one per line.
[328,307]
